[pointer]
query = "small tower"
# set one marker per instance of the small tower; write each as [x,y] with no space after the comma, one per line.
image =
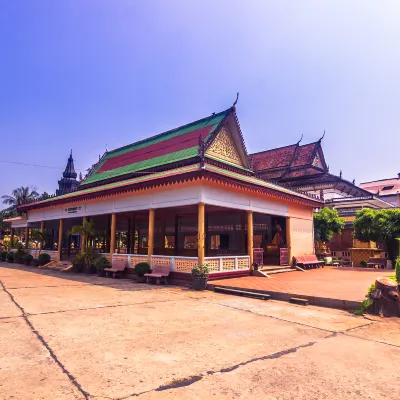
[68,182]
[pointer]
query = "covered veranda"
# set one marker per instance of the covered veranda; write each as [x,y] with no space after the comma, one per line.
[181,236]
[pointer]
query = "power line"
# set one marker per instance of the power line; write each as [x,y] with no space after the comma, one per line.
[33,165]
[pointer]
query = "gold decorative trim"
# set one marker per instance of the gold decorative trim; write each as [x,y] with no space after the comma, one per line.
[224,148]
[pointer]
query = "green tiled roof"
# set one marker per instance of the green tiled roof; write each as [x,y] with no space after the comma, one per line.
[152,158]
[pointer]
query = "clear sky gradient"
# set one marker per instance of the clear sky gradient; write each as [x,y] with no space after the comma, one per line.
[86,74]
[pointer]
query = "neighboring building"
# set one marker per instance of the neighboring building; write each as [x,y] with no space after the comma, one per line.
[345,245]
[303,167]
[184,197]
[385,189]
[68,183]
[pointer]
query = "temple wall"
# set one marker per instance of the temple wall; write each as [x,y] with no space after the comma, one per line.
[176,196]
[301,230]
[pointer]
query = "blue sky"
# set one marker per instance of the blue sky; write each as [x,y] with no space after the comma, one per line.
[86,74]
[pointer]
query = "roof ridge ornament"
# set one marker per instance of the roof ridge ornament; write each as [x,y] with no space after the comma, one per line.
[237,98]
[319,141]
[300,139]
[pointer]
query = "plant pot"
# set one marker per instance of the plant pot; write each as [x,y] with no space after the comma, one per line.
[200,282]
[139,279]
[88,270]
[34,263]
[27,263]
[101,272]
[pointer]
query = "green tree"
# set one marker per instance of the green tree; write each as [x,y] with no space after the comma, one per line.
[87,230]
[326,223]
[21,195]
[378,226]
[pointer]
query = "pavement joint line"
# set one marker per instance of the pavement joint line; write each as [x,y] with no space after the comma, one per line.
[371,340]
[99,307]
[315,327]
[72,379]
[272,317]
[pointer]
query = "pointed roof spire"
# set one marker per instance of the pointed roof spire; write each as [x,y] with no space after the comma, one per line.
[69,171]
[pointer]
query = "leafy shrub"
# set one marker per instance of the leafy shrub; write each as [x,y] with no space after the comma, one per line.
[397,266]
[10,257]
[142,268]
[367,302]
[79,260]
[3,256]
[27,259]
[363,263]
[102,263]
[200,271]
[44,258]
[19,256]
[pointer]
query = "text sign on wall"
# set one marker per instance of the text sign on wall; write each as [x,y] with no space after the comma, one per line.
[73,210]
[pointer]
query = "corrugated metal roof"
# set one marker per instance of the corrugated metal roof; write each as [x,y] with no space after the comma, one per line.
[132,158]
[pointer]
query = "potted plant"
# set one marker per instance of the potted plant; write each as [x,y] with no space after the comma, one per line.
[141,269]
[200,277]
[87,231]
[100,264]
[3,256]
[10,257]
[79,262]
[90,258]
[27,259]
[363,263]
[44,259]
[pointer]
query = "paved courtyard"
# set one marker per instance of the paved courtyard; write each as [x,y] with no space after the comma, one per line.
[347,284]
[68,337]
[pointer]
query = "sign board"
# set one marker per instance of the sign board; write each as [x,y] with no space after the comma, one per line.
[73,210]
[284,256]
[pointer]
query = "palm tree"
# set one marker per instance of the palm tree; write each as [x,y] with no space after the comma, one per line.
[87,231]
[21,195]
[39,238]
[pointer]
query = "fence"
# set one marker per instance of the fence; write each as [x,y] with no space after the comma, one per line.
[186,264]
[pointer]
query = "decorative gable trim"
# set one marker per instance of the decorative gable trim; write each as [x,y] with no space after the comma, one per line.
[224,148]
[230,146]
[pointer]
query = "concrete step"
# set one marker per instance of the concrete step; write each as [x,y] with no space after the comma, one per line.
[242,293]
[279,271]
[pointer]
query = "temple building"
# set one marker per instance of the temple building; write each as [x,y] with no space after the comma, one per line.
[386,189]
[303,167]
[188,196]
[68,182]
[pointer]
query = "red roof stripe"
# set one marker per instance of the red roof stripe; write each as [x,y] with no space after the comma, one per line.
[168,146]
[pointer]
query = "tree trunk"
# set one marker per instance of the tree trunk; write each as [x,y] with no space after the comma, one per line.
[387,298]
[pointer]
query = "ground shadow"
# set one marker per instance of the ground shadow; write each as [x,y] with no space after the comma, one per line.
[123,283]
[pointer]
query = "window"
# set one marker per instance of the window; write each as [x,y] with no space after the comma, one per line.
[388,187]
[190,242]
[170,242]
[144,242]
[219,242]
